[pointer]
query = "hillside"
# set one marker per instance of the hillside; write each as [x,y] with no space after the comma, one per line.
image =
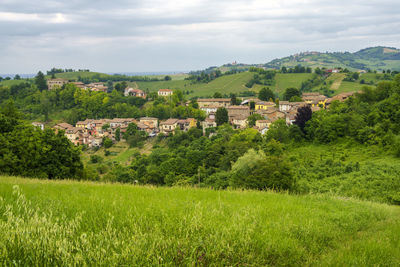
[374,58]
[81,223]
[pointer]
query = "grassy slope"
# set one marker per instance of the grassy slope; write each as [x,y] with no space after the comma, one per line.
[226,84]
[72,223]
[283,81]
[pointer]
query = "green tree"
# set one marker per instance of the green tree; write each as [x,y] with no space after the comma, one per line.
[221,116]
[254,170]
[40,81]
[217,95]
[118,134]
[167,78]
[265,94]
[290,92]
[107,142]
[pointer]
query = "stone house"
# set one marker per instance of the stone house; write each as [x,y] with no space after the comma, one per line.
[165,92]
[214,102]
[168,126]
[56,83]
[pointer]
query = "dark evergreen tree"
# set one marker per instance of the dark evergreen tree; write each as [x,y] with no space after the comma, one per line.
[221,116]
[303,115]
[40,81]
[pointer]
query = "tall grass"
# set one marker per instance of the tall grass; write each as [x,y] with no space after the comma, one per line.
[73,223]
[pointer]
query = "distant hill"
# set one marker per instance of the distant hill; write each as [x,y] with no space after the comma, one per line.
[374,58]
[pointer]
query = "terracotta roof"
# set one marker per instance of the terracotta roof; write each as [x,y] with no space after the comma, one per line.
[239,107]
[213,100]
[265,103]
[169,122]
[63,125]
[165,90]
[148,118]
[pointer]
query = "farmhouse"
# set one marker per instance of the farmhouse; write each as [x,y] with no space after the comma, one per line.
[209,109]
[165,92]
[56,83]
[134,92]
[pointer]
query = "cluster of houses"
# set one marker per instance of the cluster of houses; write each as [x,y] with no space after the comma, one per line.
[92,132]
[270,111]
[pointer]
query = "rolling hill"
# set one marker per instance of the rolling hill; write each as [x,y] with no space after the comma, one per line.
[374,58]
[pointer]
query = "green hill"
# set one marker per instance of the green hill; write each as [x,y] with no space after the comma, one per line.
[374,58]
[80,223]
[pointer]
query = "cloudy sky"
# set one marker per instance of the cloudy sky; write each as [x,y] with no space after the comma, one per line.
[180,35]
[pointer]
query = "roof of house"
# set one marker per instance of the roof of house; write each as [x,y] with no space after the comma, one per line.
[284,102]
[213,100]
[265,103]
[239,107]
[63,125]
[170,121]
[165,90]
[148,118]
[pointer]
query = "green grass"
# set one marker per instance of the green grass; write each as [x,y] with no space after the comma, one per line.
[12,82]
[350,87]
[80,223]
[225,85]
[348,170]
[284,81]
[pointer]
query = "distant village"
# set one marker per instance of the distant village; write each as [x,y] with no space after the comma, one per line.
[91,132]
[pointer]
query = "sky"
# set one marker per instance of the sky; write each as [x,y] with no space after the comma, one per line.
[183,35]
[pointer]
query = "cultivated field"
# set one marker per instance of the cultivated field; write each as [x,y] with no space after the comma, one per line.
[79,223]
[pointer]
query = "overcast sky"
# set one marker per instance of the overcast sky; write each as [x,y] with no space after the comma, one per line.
[174,35]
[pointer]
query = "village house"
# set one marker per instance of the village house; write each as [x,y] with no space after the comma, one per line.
[134,92]
[235,111]
[75,135]
[263,105]
[56,83]
[186,124]
[63,126]
[239,121]
[208,123]
[214,102]
[209,109]
[314,99]
[340,97]
[80,85]
[39,125]
[284,106]
[168,126]
[263,125]
[165,92]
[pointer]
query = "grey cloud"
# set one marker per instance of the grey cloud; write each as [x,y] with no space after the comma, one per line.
[141,35]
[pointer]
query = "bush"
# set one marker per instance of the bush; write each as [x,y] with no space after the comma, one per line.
[96,159]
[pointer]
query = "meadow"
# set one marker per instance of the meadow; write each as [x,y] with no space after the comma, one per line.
[66,223]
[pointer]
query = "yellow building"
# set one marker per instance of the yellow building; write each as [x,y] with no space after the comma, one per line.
[264,105]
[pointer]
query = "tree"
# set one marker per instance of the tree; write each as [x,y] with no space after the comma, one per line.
[107,142]
[17,77]
[167,78]
[118,134]
[290,92]
[254,170]
[303,115]
[253,118]
[217,95]
[233,99]
[265,94]
[40,81]
[221,116]
[105,127]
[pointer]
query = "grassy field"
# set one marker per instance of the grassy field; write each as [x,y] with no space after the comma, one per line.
[350,87]
[12,82]
[225,85]
[283,81]
[80,223]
